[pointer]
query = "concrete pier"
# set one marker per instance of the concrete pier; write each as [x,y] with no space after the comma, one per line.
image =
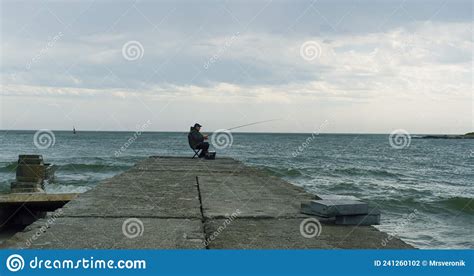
[177,202]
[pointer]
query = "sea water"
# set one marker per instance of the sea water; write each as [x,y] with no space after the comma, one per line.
[424,189]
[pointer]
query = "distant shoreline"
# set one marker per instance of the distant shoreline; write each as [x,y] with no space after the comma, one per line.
[469,135]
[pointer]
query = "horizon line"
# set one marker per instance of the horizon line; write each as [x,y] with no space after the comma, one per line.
[243,132]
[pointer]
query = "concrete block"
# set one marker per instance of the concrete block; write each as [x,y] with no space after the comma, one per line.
[335,197]
[373,218]
[306,209]
[331,208]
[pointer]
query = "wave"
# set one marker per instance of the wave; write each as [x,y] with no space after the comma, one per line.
[10,167]
[283,172]
[342,187]
[62,188]
[353,171]
[461,204]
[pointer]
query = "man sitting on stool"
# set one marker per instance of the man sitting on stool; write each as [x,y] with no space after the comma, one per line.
[197,140]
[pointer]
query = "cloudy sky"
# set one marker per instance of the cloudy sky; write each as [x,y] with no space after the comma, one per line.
[354,66]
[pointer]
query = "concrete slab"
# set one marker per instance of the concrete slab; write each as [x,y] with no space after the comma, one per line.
[246,233]
[332,208]
[336,197]
[254,196]
[140,195]
[106,233]
[134,205]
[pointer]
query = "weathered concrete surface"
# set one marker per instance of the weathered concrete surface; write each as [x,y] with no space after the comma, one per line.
[285,234]
[140,194]
[100,233]
[184,202]
[255,195]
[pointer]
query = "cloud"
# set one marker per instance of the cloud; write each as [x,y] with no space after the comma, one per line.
[222,59]
[427,58]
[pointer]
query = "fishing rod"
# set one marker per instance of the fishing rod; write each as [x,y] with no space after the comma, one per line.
[250,124]
[222,138]
[254,123]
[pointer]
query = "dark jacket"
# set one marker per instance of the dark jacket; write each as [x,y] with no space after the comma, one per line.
[194,137]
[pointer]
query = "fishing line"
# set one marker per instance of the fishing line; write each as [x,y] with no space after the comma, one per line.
[254,123]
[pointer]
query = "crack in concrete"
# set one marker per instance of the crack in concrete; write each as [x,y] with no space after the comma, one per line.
[203,218]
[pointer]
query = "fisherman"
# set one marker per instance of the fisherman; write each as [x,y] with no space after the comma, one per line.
[196,140]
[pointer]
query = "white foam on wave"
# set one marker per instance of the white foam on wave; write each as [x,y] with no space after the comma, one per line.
[63,189]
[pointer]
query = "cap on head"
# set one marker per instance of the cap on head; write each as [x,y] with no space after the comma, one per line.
[197,125]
